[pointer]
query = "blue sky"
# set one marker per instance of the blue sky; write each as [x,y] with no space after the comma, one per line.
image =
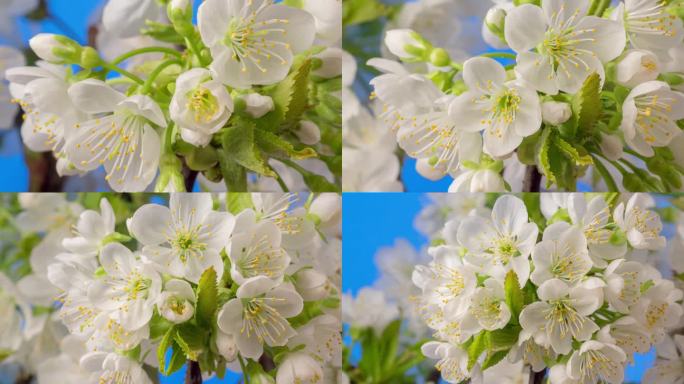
[376,220]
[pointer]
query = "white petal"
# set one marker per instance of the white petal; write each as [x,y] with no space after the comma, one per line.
[525,27]
[95,96]
[483,74]
[149,224]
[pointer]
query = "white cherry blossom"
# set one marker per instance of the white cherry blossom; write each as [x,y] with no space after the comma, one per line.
[563,313]
[253,42]
[507,112]
[259,315]
[505,241]
[570,45]
[186,238]
[122,138]
[650,113]
[201,106]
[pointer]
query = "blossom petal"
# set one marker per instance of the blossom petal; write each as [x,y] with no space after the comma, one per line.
[524,27]
[95,96]
[483,74]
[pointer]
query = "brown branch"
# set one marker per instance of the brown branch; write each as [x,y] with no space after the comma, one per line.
[193,375]
[532,182]
[537,377]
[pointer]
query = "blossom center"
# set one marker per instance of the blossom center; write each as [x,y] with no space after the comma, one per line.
[652,112]
[203,104]
[263,321]
[596,366]
[253,41]
[564,317]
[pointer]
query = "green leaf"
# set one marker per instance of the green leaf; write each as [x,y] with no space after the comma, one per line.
[207,298]
[543,159]
[177,361]
[390,343]
[476,348]
[502,339]
[572,152]
[164,345]
[238,202]
[493,358]
[234,175]
[191,339]
[290,97]
[533,204]
[159,326]
[515,298]
[362,11]
[527,149]
[587,103]
[239,147]
[281,148]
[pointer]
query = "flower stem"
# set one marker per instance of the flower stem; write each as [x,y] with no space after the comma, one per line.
[605,174]
[244,369]
[153,76]
[141,51]
[122,72]
[500,55]
[601,7]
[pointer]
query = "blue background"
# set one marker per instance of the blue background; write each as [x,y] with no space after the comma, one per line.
[376,220]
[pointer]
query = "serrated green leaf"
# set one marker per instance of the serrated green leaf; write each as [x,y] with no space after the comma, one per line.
[476,348]
[165,343]
[527,148]
[207,298]
[281,148]
[177,361]
[543,159]
[572,153]
[493,358]
[587,103]
[159,326]
[290,97]
[514,296]
[239,146]
[191,340]
[502,339]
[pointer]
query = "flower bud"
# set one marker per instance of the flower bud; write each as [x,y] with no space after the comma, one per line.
[425,168]
[556,113]
[495,18]
[56,48]
[175,309]
[636,67]
[405,43]
[226,345]
[258,105]
[611,147]
[330,63]
[439,57]
[90,58]
[327,207]
[299,367]
[308,133]
[176,303]
[493,27]
[311,284]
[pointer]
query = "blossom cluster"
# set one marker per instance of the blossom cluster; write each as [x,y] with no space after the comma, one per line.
[581,90]
[555,283]
[246,96]
[118,293]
